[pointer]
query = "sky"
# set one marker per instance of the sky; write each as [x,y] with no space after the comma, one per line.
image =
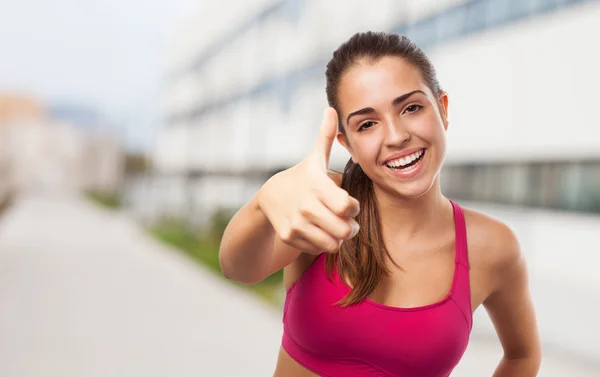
[110,55]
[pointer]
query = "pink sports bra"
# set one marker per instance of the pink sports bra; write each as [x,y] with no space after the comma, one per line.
[372,339]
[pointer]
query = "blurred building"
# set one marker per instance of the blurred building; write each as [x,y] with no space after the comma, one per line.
[13,106]
[246,92]
[39,153]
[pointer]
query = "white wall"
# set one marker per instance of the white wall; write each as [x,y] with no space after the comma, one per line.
[525,90]
[277,46]
[530,88]
[43,155]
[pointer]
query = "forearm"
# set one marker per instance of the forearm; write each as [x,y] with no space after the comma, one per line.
[518,367]
[247,245]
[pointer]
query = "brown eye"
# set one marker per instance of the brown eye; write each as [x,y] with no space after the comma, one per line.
[365,125]
[413,108]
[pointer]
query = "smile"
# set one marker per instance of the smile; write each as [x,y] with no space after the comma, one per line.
[406,161]
[407,166]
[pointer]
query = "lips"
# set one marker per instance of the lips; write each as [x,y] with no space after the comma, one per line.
[405,159]
[405,153]
[410,169]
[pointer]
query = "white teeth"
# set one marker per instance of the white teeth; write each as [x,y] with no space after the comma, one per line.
[405,160]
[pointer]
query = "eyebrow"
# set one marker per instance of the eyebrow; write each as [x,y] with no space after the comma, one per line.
[396,101]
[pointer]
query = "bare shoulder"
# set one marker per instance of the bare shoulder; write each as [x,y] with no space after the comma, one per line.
[495,255]
[501,283]
[492,243]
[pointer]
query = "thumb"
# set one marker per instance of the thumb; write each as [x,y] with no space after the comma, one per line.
[327,133]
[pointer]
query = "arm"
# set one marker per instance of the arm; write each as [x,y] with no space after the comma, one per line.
[511,310]
[247,253]
[252,249]
[301,209]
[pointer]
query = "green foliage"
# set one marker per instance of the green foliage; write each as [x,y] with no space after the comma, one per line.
[218,222]
[203,247]
[178,233]
[4,204]
[105,199]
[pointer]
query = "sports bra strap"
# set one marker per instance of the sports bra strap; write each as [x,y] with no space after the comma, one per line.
[461,235]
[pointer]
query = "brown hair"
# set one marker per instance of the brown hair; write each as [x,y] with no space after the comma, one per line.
[361,260]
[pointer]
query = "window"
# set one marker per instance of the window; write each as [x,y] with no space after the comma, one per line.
[424,32]
[563,185]
[590,188]
[497,12]
[477,15]
[520,8]
[452,23]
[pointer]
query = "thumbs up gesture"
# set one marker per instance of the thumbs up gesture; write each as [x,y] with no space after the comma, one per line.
[305,206]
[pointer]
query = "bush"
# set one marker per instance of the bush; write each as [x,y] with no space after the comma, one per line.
[4,204]
[203,247]
[218,222]
[105,199]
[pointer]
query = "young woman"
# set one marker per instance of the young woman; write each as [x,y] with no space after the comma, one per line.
[381,278]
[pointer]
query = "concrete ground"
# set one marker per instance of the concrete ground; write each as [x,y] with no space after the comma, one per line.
[85,292]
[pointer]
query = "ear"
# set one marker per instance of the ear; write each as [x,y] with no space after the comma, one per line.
[443,105]
[342,140]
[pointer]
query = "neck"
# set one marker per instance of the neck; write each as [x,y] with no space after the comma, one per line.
[407,218]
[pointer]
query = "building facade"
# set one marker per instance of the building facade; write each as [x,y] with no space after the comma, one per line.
[41,154]
[246,92]
[245,97]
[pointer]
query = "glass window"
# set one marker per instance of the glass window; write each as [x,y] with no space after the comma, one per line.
[424,32]
[573,186]
[452,182]
[520,8]
[498,12]
[479,183]
[539,6]
[590,187]
[477,15]
[551,176]
[452,23]
[560,3]
[468,180]
[519,188]
[570,195]
[503,184]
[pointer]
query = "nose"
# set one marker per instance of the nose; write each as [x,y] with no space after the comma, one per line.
[395,134]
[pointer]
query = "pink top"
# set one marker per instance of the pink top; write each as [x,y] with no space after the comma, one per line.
[372,339]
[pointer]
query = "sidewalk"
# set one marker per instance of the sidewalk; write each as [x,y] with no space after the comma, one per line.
[84,292]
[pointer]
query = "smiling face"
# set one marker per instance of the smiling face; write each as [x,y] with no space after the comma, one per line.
[394,126]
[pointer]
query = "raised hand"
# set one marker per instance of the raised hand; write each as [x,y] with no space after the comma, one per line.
[305,206]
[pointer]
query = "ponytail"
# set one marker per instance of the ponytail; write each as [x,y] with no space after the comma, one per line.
[361,259]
